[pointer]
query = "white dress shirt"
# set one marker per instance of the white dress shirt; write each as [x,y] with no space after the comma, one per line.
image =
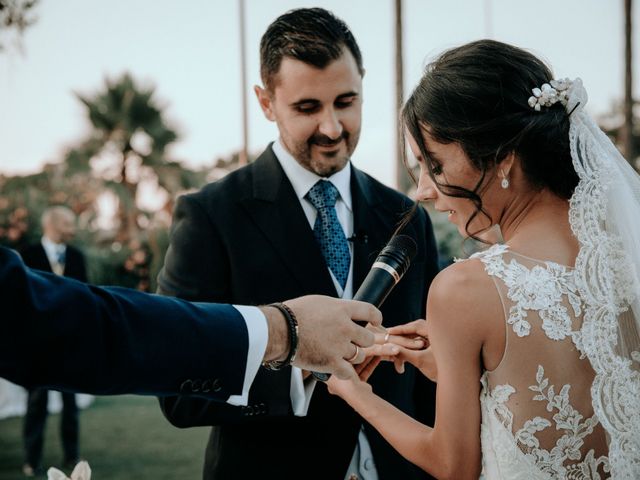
[54,251]
[302,180]
[258,332]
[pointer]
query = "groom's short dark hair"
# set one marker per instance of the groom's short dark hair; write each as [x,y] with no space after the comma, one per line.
[312,35]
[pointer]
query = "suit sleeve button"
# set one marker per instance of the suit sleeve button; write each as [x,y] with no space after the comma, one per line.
[216,387]
[206,386]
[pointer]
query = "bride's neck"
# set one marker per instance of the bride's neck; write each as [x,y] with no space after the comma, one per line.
[540,218]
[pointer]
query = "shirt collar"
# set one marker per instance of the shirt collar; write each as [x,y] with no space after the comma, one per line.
[52,249]
[302,179]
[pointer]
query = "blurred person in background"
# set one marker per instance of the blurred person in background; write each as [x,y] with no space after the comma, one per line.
[53,254]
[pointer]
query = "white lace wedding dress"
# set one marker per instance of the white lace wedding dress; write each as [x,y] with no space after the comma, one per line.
[537,416]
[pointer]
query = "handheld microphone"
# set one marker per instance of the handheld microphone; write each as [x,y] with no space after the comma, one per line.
[392,263]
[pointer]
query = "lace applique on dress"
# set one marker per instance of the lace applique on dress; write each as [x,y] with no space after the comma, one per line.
[539,295]
[540,288]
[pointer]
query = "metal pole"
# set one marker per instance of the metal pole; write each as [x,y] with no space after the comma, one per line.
[244,155]
[403,181]
[488,19]
[627,129]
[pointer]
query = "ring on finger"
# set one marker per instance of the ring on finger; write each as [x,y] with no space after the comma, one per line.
[386,337]
[355,355]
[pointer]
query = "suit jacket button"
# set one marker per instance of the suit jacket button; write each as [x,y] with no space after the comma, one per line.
[196,385]
[206,386]
[216,387]
[186,386]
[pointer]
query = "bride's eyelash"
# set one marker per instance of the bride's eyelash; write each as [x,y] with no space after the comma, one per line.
[436,168]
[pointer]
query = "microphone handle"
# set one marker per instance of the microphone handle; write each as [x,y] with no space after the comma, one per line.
[376,287]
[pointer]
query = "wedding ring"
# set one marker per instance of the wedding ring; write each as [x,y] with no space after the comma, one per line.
[386,337]
[355,355]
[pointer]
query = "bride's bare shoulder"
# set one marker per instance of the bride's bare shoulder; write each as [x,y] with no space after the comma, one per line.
[464,294]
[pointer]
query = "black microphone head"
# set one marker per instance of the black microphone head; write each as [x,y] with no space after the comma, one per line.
[405,244]
[399,253]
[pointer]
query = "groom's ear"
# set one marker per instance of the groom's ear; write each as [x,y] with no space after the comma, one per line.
[265,99]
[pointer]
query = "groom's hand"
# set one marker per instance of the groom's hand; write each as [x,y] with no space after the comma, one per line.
[328,334]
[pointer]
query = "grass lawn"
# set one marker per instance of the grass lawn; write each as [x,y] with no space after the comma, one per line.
[122,437]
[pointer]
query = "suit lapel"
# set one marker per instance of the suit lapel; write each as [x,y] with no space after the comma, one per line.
[366,243]
[371,226]
[277,212]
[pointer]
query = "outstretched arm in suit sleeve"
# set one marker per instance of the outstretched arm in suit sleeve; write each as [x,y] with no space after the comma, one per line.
[196,267]
[112,340]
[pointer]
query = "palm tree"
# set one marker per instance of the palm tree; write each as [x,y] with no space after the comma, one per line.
[128,135]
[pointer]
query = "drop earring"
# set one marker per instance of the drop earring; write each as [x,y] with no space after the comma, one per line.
[505,181]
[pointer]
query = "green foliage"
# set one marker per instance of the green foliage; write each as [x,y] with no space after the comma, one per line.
[128,141]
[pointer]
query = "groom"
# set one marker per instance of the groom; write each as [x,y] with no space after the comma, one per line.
[300,219]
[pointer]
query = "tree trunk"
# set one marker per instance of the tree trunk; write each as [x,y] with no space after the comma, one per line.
[128,213]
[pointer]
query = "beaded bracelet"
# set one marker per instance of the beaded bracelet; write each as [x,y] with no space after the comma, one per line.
[292,323]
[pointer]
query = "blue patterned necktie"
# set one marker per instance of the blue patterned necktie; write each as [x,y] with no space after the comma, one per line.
[62,256]
[328,231]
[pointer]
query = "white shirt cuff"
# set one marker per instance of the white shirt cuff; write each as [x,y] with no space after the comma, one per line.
[258,332]
[301,392]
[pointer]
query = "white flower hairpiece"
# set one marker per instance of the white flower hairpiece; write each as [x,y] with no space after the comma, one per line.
[550,93]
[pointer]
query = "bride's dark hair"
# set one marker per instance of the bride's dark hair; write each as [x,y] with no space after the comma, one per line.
[476,95]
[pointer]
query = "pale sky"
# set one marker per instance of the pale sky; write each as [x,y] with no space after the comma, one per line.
[189,50]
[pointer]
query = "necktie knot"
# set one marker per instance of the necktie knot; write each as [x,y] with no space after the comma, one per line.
[323,194]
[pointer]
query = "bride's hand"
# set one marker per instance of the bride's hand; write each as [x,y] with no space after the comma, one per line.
[422,359]
[394,335]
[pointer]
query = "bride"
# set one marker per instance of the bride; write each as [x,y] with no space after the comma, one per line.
[534,342]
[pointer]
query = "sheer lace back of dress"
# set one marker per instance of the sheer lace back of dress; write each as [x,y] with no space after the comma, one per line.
[538,420]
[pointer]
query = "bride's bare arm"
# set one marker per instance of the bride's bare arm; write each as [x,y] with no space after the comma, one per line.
[456,309]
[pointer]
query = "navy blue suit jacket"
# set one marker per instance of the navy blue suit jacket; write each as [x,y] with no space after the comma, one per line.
[62,334]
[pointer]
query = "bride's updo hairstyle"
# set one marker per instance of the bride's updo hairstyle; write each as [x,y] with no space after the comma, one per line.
[477,95]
